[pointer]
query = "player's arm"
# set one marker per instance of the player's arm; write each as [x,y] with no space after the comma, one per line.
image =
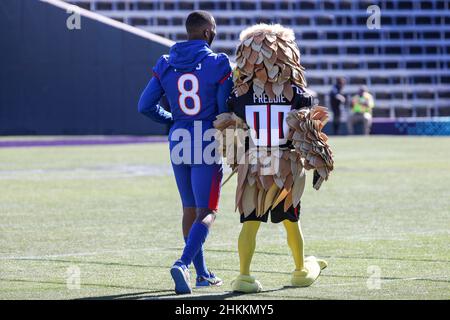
[148,103]
[225,82]
[223,93]
[340,97]
[333,94]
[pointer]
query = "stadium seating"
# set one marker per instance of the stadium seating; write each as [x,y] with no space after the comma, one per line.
[405,63]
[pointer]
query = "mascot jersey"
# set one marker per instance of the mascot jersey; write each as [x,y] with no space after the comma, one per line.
[267,117]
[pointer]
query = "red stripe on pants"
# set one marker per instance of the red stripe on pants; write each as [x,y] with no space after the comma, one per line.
[214,193]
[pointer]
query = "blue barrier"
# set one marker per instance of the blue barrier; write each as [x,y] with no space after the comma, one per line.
[439,126]
[57,81]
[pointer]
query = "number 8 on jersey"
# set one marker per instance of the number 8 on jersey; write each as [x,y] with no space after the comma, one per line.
[191,93]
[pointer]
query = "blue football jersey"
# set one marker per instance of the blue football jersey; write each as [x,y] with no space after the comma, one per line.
[192,95]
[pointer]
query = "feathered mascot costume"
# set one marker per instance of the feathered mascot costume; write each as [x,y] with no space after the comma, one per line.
[271,137]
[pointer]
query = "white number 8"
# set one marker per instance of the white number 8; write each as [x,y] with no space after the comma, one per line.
[184,94]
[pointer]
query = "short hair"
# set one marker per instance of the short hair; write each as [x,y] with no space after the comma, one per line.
[197,20]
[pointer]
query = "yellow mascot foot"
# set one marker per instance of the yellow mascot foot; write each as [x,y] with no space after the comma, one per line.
[246,284]
[322,263]
[310,272]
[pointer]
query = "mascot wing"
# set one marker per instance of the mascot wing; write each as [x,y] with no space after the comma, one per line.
[310,142]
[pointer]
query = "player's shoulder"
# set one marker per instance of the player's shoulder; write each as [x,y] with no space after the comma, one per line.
[334,90]
[299,90]
[302,97]
[161,64]
[163,60]
[217,66]
[218,58]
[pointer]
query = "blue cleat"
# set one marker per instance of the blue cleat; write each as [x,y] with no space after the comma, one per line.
[182,278]
[210,281]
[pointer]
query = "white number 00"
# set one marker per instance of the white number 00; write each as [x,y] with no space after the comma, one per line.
[192,93]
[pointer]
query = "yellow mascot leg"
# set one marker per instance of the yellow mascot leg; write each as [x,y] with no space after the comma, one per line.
[307,270]
[246,246]
[295,242]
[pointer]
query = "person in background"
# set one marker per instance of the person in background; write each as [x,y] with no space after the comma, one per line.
[336,100]
[361,110]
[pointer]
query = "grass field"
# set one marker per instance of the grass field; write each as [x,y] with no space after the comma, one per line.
[113,214]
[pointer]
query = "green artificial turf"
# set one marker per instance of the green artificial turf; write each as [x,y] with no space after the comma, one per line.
[113,213]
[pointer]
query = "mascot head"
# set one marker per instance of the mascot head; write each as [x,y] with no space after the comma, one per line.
[268,59]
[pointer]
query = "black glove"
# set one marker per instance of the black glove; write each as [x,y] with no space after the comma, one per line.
[316,177]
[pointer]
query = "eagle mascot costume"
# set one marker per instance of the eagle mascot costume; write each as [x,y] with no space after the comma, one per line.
[271,137]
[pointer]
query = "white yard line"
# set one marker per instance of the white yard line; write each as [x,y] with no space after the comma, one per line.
[80,254]
[362,282]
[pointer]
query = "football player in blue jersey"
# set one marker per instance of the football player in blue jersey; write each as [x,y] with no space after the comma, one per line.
[197,83]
